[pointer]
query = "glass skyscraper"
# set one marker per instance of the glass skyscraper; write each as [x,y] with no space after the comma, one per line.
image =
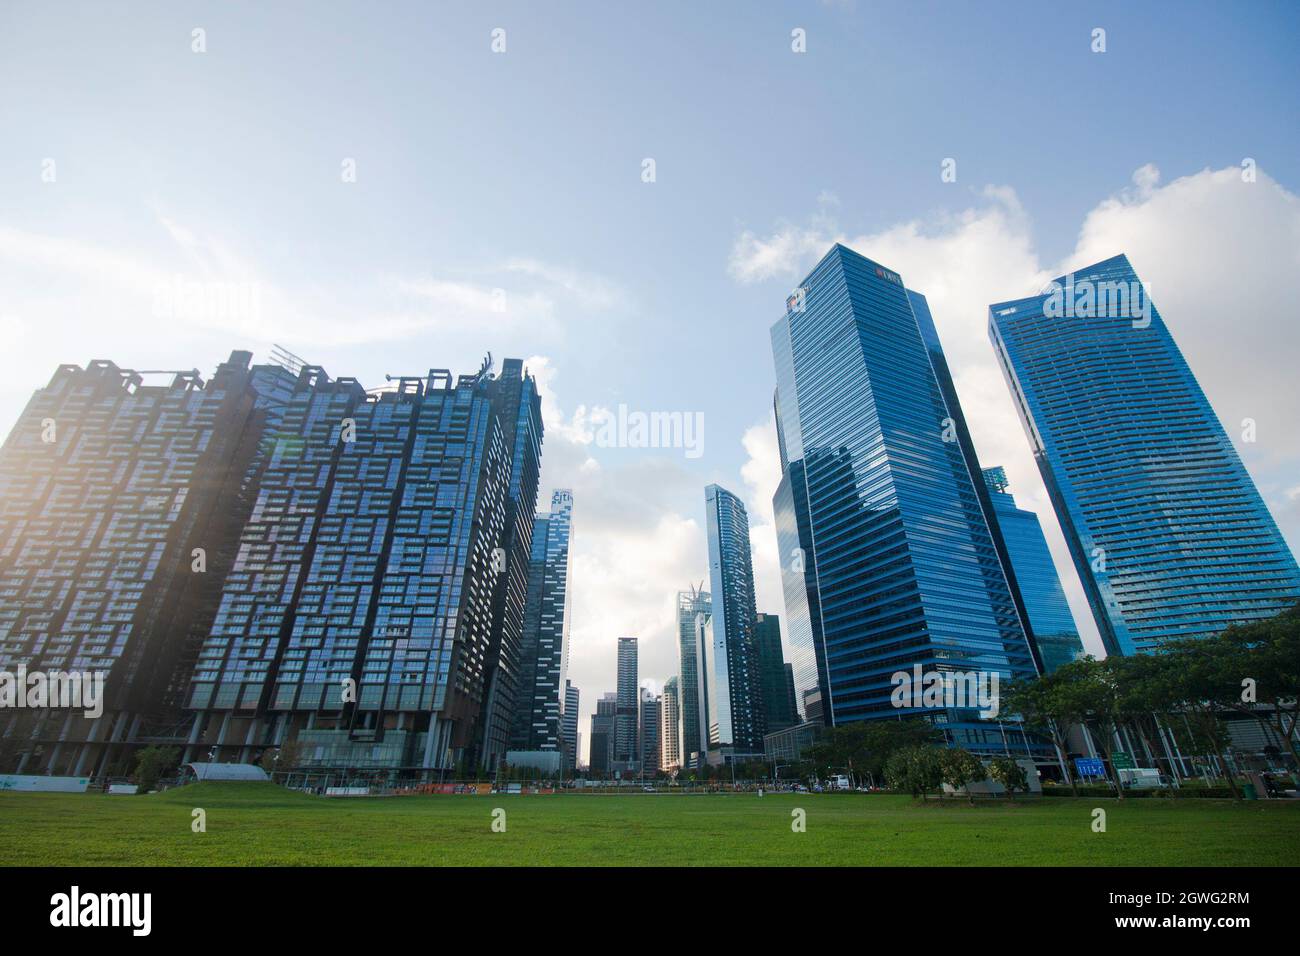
[694,609]
[569,726]
[1050,619]
[885,546]
[627,745]
[544,650]
[736,714]
[1168,533]
[778,714]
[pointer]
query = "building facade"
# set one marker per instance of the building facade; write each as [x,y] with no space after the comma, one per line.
[1166,529]
[569,726]
[880,524]
[544,649]
[694,609]
[1051,622]
[627,748]
[670,725]
[651,741]
[600,760]
[777,701]
[737,715]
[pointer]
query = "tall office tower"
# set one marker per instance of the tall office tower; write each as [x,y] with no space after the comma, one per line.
[792,694]
[626,747]
[118,496]
[1050,619]
[771,672]
[694,608]
[882,532]
[371,611]
[670,725]
[569,726]
[736,706]
[601,759]
[1166,529]
[544,652]
[651,753]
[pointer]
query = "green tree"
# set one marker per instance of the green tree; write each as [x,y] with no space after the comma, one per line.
[1050,705]
[960,769]
[918,769]
[151,763]
[1264,657]
[1008,772]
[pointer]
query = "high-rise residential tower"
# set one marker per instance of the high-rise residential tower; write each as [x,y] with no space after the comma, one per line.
[569,726]
[627,749]
[1167,531]
[884,541]
[651,742]
[694,608]
[600,761]
[736,710]
[670,725]
[1050,619]
[544,650]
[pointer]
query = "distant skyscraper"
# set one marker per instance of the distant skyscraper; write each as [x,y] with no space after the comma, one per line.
[600,761]
[1040,586]
[670,725]
[569,726]
[694,608]
[736,710]
[792,693]
[1167,531]
[544,651]
[651,742]
[627,749]
[882,532]
[772,672]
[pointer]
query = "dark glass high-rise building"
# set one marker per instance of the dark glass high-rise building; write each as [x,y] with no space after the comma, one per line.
[627,748]
[1166,529]
[772,673]
[651,742]
[694,608]
[544,651]
[375,606]
[120,500]
[736,711]
[601,759]
[882,531]
[1049,614]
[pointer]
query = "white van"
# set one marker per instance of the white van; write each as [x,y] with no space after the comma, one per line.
[840,782]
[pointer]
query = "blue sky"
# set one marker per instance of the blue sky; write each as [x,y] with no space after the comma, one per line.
[521,171]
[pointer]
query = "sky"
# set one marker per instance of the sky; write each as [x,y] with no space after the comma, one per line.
[623,196]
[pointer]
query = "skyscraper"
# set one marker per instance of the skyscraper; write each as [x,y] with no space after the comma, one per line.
[670,725]
[544,650]
[1167,531]
[694,608]
[600,761]
[882,532]
[569,726]
[627,751]
[772,673]
[1049,614]
[119,500]
[651,754]
[309,560]
[736,710]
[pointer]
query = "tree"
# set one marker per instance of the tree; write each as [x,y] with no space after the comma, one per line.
[288,756]
[1197,681]
[1050,705]
[1090,687]
[961,768]
[917,769]
[1008,772]
[151,763]
[1266,654]
[863,748]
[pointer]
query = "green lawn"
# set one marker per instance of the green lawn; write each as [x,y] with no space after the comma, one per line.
[264,824]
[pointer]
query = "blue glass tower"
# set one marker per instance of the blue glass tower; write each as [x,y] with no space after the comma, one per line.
[1050,620]
[736,712]
[1167,531]
[886,548]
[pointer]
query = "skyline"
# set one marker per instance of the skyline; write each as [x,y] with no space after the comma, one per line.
[152,190]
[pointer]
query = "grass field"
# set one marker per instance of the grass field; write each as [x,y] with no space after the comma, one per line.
[255,824]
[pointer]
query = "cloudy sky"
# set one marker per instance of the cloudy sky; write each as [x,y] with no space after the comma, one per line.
[376,188]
